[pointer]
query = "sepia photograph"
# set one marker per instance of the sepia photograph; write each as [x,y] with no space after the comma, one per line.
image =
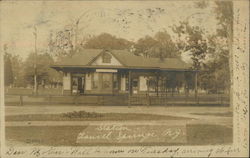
[117,78]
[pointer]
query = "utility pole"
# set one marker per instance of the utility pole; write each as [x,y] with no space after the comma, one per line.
[35,62]
[76,32]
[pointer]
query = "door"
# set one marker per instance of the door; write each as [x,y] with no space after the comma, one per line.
[106,83]
[135,86]
[81,85]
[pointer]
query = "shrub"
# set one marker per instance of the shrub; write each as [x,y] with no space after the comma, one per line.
[82,114]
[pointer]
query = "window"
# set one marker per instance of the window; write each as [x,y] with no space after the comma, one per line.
[106,58]
[151,82]
[135,83]
[74,84]
[115,81]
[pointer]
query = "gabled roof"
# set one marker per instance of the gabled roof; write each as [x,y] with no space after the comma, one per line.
[81,58]
[129,60]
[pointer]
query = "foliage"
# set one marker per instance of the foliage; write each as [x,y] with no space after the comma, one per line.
[217,71]
[144,46]
[45,74]
[194,42]
[159,46]
[82,114]
[8,73]
[17,68]
[210,54]
[61,43]
[107,41]
[201,4]
[224,12]
[215,75]
[189,79]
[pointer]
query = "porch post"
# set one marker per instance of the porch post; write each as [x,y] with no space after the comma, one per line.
[129,87]
[112,83]
[67,85]
[157,83]
[165,88]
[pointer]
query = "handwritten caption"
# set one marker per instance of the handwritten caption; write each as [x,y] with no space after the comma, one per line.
[131,151]
[116,133]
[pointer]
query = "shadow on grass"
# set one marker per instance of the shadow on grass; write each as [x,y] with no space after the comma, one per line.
[225,114]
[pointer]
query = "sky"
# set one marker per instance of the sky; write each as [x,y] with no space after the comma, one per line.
[126,19]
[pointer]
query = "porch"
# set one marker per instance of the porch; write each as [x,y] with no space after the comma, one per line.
[131,82]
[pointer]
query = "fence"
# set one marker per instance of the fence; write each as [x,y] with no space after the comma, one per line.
[75,100]
[180,99]
[29,91]
[167,100]
[22,96]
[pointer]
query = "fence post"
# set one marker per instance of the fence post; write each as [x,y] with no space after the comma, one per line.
[218,98]
[166,98]
[149,101]
[21,100]
[75,99]
[129,88]
[99,100]
[221,99]
[103,100]
[49,99]
[198,99]
[185,98]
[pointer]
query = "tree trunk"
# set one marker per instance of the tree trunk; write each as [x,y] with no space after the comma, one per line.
[196,86]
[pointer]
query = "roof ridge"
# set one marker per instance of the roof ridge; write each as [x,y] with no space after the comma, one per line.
[126,58]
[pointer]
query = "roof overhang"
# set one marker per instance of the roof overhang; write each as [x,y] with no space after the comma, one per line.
[74,67]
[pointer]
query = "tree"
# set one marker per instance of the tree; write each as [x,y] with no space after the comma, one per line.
[144,46]
[61,43]
[17,68]
[216,69]
[45,75]
[224,10]
[107,41]
[165,47]
[8,73]
[194,42]
[159,46]
[201,4]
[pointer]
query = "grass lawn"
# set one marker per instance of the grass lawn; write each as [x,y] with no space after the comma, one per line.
[90,116]
[197,134]
[45,135]
[202,134]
